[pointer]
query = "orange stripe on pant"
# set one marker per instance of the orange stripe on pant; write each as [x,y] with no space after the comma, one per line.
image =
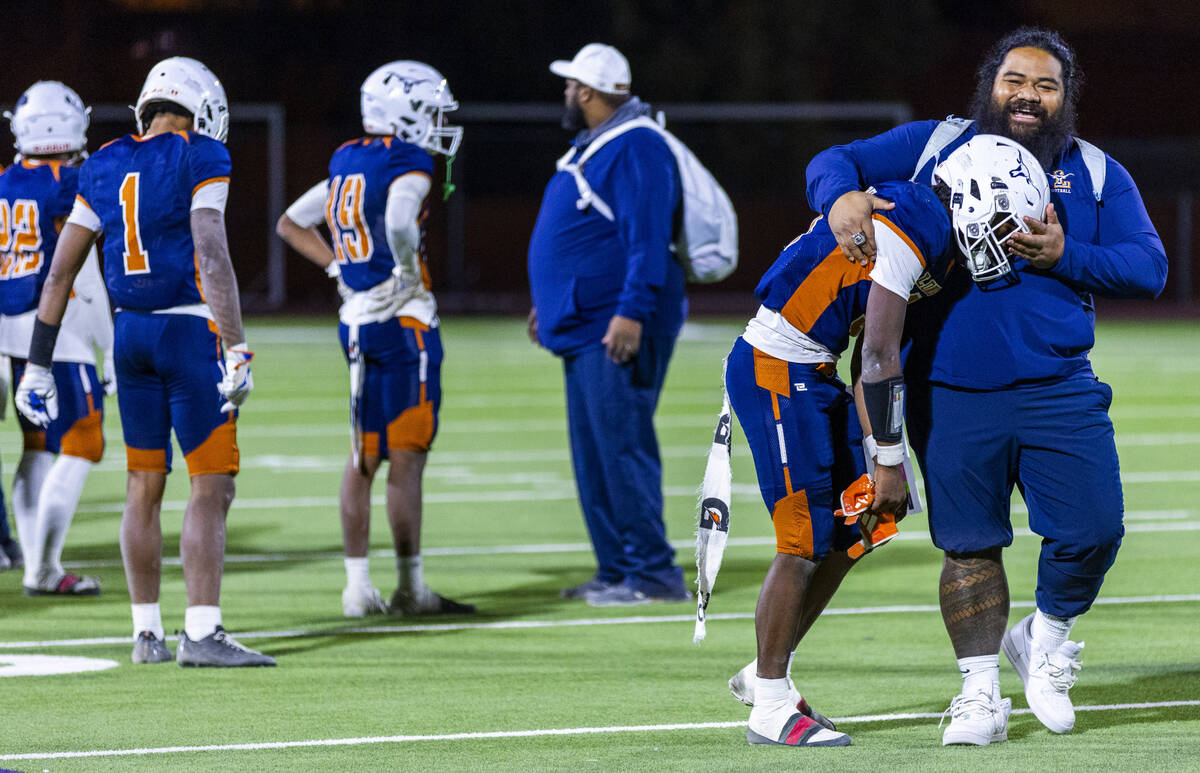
[793,525]
[146,459]
[218,454]
[85,438]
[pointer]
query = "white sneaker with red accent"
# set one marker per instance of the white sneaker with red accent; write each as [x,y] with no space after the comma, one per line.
[742,686]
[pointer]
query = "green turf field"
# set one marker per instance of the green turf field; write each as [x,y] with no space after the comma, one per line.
[554,685]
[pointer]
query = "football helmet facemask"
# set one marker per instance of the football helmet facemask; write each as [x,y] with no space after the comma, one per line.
[408,100]
[994,184]
[190,84]
[49,119]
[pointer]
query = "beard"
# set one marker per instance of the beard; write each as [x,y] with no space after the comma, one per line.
[573,119]
[1045,140]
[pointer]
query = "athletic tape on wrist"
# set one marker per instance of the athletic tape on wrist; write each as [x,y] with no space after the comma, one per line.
[41,347]
[884,401]
[890,456]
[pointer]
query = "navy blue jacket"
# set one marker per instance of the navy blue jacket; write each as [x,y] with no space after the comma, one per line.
[583,268]
[1043,327]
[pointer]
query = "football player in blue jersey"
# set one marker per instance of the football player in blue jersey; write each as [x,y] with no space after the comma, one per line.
[36,195]
[158,198]
[805,434]
[374,204]
[1001,390]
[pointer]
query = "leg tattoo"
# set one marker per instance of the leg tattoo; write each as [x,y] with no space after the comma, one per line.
[974,600]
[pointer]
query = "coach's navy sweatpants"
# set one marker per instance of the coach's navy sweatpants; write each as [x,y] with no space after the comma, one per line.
[1054,440]
[610,418]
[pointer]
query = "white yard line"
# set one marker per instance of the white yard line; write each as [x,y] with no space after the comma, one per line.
[499,734]
[509,625]
[584,547]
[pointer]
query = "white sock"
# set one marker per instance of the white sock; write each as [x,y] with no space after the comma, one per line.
[146,617]
[411,578]
[56,507]
[27,485]
[980,674]
[772,709]
[201,621]
[790,659]
[358,572]
[1049,632]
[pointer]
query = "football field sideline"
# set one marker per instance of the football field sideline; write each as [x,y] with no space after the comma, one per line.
[502,734]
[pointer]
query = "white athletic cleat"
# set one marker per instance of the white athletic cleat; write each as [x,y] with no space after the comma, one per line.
[977,719]
[742,686]
[363,600]
[1047,676]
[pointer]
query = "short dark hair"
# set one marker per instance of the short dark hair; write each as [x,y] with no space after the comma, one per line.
[152,109]
[1030,37]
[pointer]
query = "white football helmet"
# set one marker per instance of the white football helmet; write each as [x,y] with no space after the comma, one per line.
[49,119]
[994,183]
[408,100]
[188,83]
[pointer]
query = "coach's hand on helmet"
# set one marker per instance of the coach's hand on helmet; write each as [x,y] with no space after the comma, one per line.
[850,217]
[1043,245]
[37,397]
[237,382]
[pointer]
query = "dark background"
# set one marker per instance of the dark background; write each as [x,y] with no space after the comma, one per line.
[1139,101]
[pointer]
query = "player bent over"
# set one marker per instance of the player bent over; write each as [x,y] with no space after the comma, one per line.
[803,433]
[374,205]
[158,199]
[36,195]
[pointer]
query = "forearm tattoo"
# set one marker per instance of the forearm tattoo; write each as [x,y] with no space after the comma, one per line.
[974,601]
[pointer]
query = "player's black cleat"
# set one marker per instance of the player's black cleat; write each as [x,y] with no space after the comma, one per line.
[426,602]
[150,649]
[218,650]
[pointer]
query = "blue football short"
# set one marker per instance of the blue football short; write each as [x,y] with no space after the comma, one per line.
[78,429]
[168,369]
[401,390]
[807,445]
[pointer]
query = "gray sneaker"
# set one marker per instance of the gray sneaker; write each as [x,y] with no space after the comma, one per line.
[150,649]
[218,650]
[12,551]
[583,590]
[624,596]
[427,602]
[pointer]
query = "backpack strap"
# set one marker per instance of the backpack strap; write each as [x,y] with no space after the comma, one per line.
[588,197]
[1097,165]
[943,134]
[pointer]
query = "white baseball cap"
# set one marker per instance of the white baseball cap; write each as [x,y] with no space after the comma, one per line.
[599,66]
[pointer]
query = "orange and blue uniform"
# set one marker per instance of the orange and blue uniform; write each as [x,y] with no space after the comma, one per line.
[167,350]
[34,197]
[798,417]
[396,356]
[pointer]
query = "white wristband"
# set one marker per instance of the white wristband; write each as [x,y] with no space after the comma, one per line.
[869,446]
[890,456]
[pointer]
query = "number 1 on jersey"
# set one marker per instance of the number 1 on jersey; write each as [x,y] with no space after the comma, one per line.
[136,259]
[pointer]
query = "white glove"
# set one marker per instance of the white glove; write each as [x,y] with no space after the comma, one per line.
[110,374]
[237,382]
[37,398]
[334,271]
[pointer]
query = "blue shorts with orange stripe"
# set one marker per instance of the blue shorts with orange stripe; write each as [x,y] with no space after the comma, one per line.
[807,445]
[78,429]
[401,384]
[167,374]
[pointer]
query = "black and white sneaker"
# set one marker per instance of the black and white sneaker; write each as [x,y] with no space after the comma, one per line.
[218,650]
[150,649]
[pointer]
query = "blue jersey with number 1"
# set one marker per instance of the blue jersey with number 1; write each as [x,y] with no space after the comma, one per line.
[32,196]
[141,189]
[360,174]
